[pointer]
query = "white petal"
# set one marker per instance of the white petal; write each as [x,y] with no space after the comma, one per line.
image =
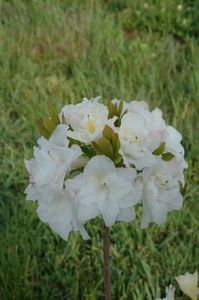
[153,209]
[88,212]
[100,165]
[90,193]
[59,136]
[28,165]
[173,142]
[117,187]
[31,193]
[109,210]
[126,215]
[146,160]
[172,198]
[58,215]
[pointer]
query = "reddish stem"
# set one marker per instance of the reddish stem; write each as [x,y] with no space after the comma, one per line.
[106,241]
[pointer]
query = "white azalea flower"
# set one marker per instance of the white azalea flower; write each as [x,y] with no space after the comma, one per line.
[57,207]
[141,132]
[87,120]
[153,119]
[170,293]
[107,190]
[135,141]
[52,158]
[188,284]
[161,192]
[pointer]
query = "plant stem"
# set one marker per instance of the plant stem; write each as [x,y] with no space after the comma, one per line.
[106,242]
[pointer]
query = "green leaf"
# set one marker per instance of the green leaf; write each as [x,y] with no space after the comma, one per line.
[115,142]
[119,161]
[120,108]
[97,148]
[105,146]
[53,115]
[124,113]
[49,125]
[73,142]
[44,132]
[107,132]
[160,149]
[75,172]
[112,108]
[88,151]
[167,156]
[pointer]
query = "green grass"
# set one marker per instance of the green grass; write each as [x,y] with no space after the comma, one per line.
[56,52]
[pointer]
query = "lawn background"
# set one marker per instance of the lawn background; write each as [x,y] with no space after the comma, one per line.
[54,53]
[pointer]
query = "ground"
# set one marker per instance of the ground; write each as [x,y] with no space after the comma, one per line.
[56,52]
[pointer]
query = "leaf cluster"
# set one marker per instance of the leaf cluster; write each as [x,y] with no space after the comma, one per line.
[116,111]
[165,155]
[109,145]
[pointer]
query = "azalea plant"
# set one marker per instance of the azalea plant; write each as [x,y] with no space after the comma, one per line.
[103,160]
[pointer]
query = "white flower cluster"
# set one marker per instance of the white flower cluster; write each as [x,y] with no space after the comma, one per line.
[103,160]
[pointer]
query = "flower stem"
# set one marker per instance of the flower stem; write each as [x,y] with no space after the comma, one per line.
[106,241]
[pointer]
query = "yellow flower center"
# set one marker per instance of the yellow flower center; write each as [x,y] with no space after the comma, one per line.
[91,125]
